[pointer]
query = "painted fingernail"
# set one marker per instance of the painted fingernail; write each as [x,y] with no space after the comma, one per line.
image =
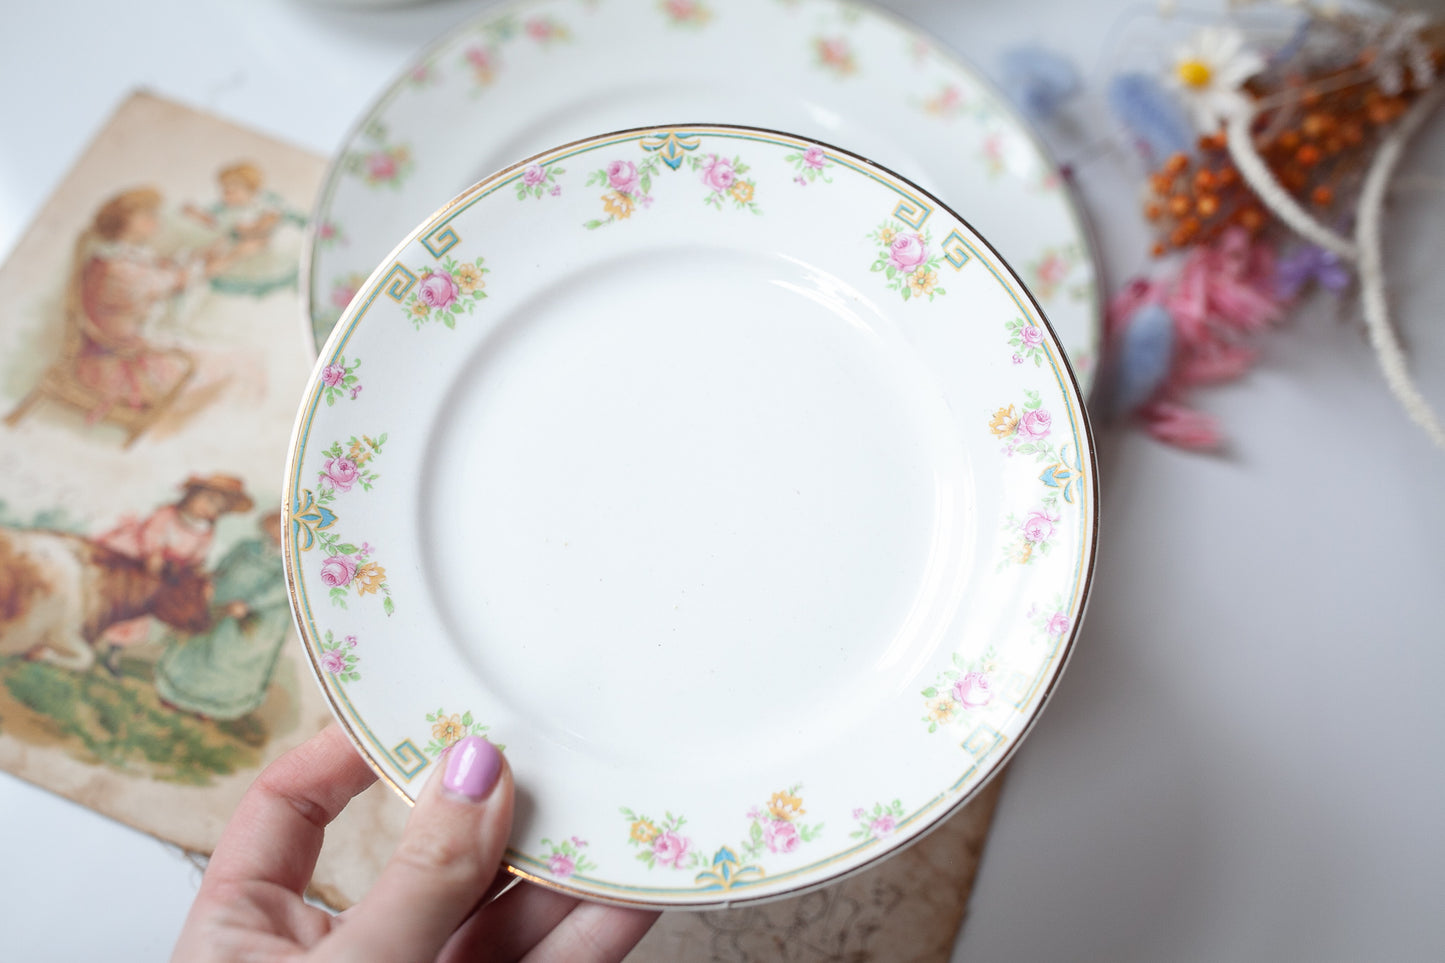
[473,765]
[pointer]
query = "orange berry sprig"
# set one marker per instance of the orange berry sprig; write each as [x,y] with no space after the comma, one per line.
[1192,200]
[1317,144]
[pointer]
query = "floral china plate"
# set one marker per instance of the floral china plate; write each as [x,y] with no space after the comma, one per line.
[528,75]
[731,482]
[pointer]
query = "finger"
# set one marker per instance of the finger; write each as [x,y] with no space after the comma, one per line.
[448,854]
[593,933]
[275,834]
[509,926]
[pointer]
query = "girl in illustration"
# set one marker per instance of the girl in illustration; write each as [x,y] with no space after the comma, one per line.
[251,256]
[224,673]
[176,536]
[119,288]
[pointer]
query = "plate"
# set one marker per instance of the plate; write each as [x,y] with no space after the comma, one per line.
[527,76]
[731,482]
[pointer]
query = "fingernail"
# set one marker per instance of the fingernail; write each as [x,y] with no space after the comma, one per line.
[473,765]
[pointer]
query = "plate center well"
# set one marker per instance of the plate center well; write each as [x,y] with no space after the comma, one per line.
[694,511]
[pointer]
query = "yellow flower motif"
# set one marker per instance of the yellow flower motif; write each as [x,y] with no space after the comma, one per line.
[468,278]
[940,710]
[742,191]
[644,831]
[401,153]
[368,578]
[1005,422]
[448,729]
[618,204]
[922,281]
[887,235]
[1026,553]
[1194,73]
[785,805]
[420,308]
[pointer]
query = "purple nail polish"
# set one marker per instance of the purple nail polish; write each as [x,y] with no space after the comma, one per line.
[473,765]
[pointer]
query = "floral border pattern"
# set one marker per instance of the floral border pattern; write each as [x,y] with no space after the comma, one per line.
[965,686]
[773,827]
[906,262]
[448,730]
[381,163]
[348,567]
[450,292]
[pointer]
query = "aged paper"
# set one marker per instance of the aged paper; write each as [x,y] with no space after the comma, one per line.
[152,351]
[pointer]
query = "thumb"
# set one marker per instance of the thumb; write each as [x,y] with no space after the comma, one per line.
[448,854]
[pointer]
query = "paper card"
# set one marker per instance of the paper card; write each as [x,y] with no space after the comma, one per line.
[152,351]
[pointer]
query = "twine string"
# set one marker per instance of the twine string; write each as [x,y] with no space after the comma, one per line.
[1364,251]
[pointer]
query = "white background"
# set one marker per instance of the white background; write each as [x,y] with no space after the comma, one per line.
[1244,759]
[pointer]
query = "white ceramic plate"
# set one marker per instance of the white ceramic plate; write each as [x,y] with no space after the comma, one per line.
[732,483]
[527,76]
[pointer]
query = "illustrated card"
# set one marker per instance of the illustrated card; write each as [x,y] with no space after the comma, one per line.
[152,351]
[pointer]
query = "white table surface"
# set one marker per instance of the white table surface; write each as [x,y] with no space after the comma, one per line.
[1246,757]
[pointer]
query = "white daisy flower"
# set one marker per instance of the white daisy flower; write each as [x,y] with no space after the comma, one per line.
[1209,71]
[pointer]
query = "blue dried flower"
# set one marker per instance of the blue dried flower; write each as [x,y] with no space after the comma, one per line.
[1152,116]
[1038,80]
[1143,355]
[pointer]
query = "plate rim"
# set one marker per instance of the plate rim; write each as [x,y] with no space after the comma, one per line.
[906,26]
[991,767]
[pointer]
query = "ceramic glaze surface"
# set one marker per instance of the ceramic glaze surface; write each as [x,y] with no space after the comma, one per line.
[754,516]
[537,73]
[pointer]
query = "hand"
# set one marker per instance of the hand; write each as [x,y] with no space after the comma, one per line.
[428,902]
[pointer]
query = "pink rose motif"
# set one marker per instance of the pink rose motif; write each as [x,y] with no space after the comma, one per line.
[341,295]
[1039,526]
[327,231]
[561,864]
[539,28]
[351,641]
[883,825]
[973,690]
[438,290]
[1058,624]
[1053,270]
[907,252]
[340,473]
[355,391]
[380,166]
[1035,423]
[669,848]
[479,57]
[332,375]
[337,570]
[333,661]
[717,173]
[781,835]
[556,190]
[622,176]
[1032,335]
[814,157]
[859,813]
[534,175]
